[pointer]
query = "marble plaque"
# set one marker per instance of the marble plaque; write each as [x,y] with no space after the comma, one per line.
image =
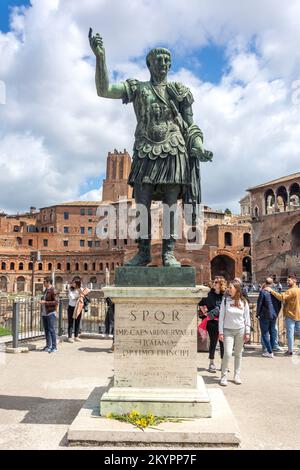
[155,345]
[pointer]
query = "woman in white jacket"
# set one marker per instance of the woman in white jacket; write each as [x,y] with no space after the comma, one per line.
[234,330]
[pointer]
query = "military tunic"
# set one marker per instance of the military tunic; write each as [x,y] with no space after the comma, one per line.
[160,154]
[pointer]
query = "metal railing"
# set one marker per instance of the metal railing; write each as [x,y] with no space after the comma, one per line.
[21,319]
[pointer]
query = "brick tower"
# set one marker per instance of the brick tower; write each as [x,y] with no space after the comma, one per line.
[115,185]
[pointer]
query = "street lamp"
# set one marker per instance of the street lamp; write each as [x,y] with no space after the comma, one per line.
[35,256]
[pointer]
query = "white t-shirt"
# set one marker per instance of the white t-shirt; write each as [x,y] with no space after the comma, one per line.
[234,318]
[73,297]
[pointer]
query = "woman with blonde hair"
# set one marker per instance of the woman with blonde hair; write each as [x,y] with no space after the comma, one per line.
[212,305]
[234,328]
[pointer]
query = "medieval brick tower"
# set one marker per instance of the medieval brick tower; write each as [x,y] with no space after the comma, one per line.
[115,185]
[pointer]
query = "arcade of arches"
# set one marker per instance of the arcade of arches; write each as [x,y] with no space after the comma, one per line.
[276,228]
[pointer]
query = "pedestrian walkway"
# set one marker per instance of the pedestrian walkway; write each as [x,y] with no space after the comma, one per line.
[41,393]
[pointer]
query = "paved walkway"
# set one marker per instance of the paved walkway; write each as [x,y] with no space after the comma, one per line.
[41,393]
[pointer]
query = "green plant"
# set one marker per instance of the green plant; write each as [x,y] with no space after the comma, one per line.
[142,421]
[4,331]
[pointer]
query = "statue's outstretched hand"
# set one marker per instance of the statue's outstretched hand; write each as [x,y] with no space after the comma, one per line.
[96,43]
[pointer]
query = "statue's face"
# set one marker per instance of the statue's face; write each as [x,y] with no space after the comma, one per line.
[160,65]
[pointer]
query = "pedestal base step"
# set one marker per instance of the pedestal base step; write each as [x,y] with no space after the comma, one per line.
[187,403]
[220,430]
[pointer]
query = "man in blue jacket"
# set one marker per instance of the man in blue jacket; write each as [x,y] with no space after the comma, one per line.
[267,310]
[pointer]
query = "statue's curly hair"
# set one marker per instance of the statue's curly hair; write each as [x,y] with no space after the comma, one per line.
[154,52]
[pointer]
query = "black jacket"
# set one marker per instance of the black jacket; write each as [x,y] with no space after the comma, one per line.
[268,307]
[212,301]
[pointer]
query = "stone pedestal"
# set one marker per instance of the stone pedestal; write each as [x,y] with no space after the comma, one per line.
[155,356]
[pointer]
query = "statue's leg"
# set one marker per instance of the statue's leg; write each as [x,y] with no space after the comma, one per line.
[143,198]
[170,200]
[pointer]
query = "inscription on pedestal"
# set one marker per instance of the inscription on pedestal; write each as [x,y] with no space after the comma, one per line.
[155,345]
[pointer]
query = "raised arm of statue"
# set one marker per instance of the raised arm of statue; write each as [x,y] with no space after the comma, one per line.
[104,89]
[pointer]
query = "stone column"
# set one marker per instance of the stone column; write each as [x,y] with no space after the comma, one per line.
[288,201]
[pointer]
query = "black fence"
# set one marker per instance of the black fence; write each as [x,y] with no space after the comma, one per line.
[21,319]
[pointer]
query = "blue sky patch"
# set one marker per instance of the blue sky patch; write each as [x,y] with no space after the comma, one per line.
[5,7]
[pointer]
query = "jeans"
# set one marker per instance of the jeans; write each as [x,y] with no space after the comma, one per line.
[233,338]
[49,325]
[71,322]
[47,333]
[292,326]
[273,331]
[213,332]
[268,334]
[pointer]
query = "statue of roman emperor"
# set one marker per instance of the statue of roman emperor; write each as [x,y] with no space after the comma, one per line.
[168,145]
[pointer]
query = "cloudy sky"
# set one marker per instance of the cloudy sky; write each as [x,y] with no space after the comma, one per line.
[241,60]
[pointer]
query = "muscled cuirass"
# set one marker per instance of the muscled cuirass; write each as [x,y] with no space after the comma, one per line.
[157,133]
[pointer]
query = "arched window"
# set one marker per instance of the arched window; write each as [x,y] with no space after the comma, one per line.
[59,266]
[282,198]
[112,266]
[247,239]
[68,267]
[294,196]
[30,266]
[3,284]
[269,202]
[21,266]
[101,266]
[12,266]
[94,266]
[85,267]
[21,284]
[76,266]
[49,266]
[3,266]
[40,266]
[228,238]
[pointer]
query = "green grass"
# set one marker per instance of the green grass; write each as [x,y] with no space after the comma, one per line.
[4,331]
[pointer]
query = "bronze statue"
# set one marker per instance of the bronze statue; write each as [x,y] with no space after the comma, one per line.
[168,145]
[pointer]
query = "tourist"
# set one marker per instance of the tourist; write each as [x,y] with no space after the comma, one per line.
[73,294]
[212,303]
[267,310]
[49,303]
[110,320]
[291,310]
[244,289]
[234,328]
[81,305]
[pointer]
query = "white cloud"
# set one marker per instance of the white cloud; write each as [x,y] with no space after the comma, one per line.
[55,132]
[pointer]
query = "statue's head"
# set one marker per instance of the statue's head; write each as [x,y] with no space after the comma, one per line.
[159,62]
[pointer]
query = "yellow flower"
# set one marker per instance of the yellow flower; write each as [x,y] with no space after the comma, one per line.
[134,414]
[150,418]
[109,415]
